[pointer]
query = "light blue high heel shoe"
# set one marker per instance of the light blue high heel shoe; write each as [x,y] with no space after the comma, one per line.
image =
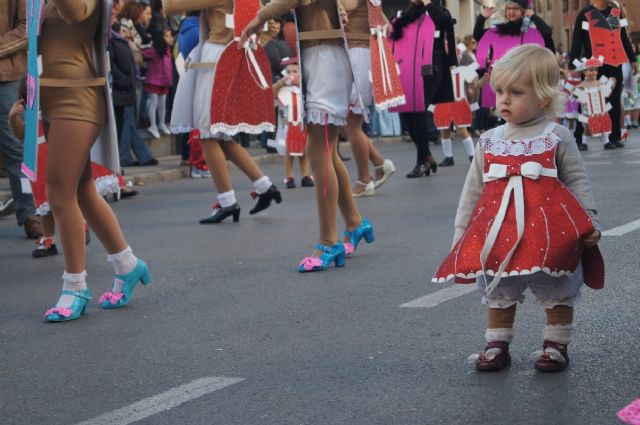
[364,230]
[330,254]
[74,311]
[140,273]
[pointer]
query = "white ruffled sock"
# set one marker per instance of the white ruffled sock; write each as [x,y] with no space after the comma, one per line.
[123,263]
[447,148]
[499,334]
[262,185]
[226,199]
[71,282]
[560,334]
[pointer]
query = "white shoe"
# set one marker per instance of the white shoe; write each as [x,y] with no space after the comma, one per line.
[197,173]
[369,189]
[388,169]
[154,132]
[205,174]
[164,129]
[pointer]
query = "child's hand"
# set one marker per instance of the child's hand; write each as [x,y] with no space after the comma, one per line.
[593,239]
[16,108]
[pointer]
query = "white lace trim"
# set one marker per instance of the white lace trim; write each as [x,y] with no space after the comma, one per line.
[43,209]
[108,185]
[489,272]
[519,147]
[317,116]
[243,127]
[175,129]
[391,103]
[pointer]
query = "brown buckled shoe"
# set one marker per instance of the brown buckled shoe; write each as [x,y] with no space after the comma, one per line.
[495,357]
[552,358]
[33,227]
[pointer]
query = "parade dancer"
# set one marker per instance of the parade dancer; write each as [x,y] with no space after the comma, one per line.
[291,137]
[328,83]
[526,216]
[108,183]
[600,30]
[523,26]
[592,94]
[361,15]
[192,109]
[76,105]
[414,27]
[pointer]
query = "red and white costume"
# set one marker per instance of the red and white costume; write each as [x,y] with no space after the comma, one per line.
[595,108]
[605,36]
[291,130]
[525,221]
[459,111]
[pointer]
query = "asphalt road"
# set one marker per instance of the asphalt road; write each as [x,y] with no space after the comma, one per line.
[324,348]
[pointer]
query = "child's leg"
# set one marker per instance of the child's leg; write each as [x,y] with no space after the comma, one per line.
[48,225]
[217,163]
[162,113]
[347,204]
[47,243]
[467,141]
[360,147]
[304,167]
[152,107]
[288,166]
[558,295]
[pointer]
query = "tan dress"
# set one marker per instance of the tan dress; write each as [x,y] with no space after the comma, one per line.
[66,46]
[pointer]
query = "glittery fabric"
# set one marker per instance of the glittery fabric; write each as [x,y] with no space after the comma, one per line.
[555,223]
[296,139]
[458,112]
[599,124]
[387,87]
[606,38]
[243,12]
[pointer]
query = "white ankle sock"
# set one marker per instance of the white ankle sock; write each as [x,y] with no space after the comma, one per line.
[560,334]
[227,199]
[123,263]
[468,146]
[262,185]
[71,282]
[499,334]
[447,148]
[604,138]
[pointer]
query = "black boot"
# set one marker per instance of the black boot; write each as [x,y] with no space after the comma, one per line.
[264,200]
[223,213]
[446,162]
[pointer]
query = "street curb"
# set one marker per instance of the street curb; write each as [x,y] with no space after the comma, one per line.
[179,173]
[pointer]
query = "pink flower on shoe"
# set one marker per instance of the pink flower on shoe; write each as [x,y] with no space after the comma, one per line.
[631,414]
[62,311]
[308,263]
[349,248]
[111,297]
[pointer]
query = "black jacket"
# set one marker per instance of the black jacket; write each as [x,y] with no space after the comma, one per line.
[123,72]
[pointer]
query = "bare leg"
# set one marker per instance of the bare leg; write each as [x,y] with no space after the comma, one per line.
[48,225]
[304,168]
[346,202]
[70,188]
[360,144]
[327,182]
[241,158]
[217,164]
[288,166]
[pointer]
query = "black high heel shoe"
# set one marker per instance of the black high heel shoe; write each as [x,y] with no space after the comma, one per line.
[223,213]
[433,164]
[264,200]
[418,171]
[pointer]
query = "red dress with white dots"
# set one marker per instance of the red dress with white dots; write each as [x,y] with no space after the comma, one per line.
[526,219]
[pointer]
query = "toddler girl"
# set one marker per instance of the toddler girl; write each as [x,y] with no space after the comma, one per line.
[158,82]
[526,213]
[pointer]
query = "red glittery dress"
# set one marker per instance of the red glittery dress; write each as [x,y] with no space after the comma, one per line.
[242,98]
[525,221]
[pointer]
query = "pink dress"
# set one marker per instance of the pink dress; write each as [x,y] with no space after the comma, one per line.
[526,219]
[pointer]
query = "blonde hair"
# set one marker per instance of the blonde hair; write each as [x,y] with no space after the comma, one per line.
[537,64]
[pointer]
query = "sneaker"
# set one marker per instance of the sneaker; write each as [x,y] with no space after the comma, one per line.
[164,129]
[196,173]
[307,181]
[154,132]
[290,183]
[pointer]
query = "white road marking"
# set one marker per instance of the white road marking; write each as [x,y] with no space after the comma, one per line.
[458,290]
[163,401]
[622,230]
[441,296]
